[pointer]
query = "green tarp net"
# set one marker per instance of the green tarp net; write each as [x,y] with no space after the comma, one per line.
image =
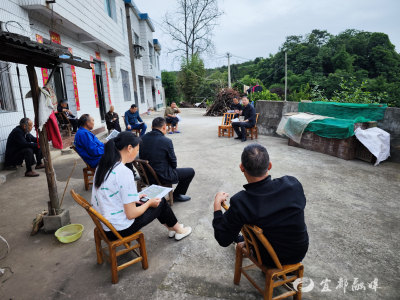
[344,114]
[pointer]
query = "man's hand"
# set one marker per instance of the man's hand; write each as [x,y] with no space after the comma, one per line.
[219,198]
[154,202]
[114,119]
[237,111]
[129,126]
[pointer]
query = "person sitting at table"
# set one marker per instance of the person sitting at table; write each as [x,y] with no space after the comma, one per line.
[88,146]
[21,145]
[125,210]
[236,107]
[171,118]
[275,205]
[132,119]
[249,114]
[158,150]
[112,120]
[63,107]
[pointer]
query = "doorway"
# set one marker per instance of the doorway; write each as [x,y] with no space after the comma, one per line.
[153,92]
[100,90]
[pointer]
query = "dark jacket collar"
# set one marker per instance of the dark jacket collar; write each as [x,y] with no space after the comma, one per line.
[157,131]
[253,185]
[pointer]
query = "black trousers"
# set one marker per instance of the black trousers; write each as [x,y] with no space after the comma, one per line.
[162,212]
[114,125]
[185,177]
[173,121]
[27,155]
[130,167]
[74,123]
[243,125]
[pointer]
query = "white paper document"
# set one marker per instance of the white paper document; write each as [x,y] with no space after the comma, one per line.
[179,117]
[112,135]
[155,191]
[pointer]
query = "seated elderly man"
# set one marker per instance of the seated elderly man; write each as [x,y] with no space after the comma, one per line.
[63,107]
[112,120]
[132,119]
[171,118]
[274,205]
[21,145]
[249,114]
[88,145]
[159,151]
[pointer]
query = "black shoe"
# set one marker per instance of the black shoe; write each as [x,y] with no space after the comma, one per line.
[243,140]
[181,198]
[238,138]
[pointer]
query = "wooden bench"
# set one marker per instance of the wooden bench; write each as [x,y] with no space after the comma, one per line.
[111,256]
[226,125]
[275,276]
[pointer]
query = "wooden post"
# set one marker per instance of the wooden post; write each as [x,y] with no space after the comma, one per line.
[44,143]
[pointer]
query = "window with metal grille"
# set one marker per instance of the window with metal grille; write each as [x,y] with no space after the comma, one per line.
[123,27]
[141,87]
[151,53]
[125,85]
[7,101]
[158,63]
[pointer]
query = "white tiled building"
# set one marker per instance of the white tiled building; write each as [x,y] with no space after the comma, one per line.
[96,29]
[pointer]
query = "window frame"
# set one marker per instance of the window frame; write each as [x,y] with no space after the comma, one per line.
[10,104]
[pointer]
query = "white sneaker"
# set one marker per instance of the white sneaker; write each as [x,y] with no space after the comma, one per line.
[171,233]
[179,236]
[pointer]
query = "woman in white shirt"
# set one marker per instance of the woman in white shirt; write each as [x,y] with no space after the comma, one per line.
[115,196]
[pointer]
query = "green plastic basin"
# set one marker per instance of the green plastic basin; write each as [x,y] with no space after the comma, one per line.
[69,233]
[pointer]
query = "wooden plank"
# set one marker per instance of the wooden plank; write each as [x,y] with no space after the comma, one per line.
[129,263]
[44,144]
[285,295]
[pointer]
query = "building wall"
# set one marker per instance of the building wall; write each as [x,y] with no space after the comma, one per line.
[92,16]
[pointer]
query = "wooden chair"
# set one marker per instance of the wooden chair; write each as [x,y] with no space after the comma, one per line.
[253,130]
[275,276]
[99,235]
[63,123]
[88,172]
[134,130]
[144,181]
[226,125]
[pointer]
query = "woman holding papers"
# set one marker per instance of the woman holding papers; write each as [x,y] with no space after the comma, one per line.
[115,196]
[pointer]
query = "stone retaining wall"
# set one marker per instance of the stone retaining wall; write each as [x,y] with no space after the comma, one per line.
[271,114]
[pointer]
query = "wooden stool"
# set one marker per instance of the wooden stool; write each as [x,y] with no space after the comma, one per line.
[99,235]
[88,172]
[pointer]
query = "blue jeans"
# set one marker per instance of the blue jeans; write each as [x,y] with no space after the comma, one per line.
[143,128]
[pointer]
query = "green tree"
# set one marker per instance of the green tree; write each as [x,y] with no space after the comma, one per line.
[343,60]
[170,87]
[190,77]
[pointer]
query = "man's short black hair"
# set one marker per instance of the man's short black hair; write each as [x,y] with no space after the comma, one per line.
[255,160]
[158,122]
[133,105]
[245,97]
[235,97]
[24,121]
[83,119]
[63,101]
[173,102]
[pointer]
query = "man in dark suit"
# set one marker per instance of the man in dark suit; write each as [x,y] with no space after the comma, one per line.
[159,151]
[112,120]
[249,114]
[21,145]
[274,205]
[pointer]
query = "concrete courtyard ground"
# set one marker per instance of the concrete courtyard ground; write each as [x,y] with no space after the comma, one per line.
[352,217]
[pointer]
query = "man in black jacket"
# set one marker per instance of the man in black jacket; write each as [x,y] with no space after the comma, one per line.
[21,145]
[159,151]
[274,205]
[112,120]
[236,106]
[249,114]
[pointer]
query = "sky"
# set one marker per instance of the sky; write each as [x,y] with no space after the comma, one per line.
[255,28]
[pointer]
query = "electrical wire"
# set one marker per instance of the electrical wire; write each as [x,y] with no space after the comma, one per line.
[12,273]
